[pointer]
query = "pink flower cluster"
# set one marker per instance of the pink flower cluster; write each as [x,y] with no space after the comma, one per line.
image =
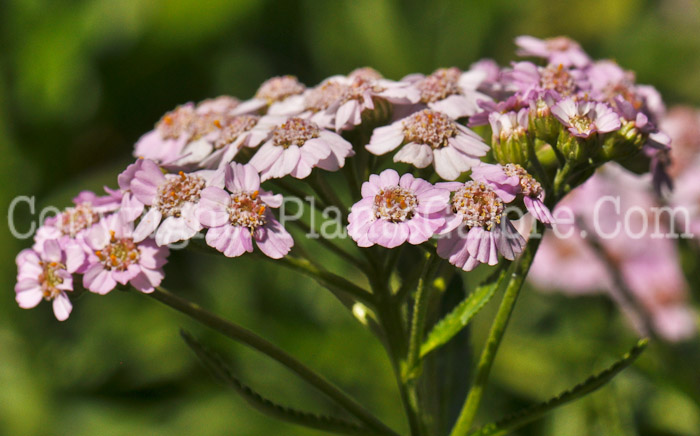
[199,171]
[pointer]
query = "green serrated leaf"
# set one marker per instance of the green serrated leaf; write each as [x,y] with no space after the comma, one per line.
[456,320]
[319,422]
[532,413]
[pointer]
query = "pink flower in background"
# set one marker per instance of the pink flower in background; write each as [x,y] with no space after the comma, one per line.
[243,214]
[511,180]
[46,275]
[172,201]
[430,137]
[618,207]
[558,50]
[584,118]
[296,147]
[476,228]
[276,96]
[657,282]
[568,264]
[682,124]
[394,210]
[114,257]
[686,198]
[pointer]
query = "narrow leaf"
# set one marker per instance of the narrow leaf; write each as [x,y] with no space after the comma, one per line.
[532,413]
[456,320]
[319,422]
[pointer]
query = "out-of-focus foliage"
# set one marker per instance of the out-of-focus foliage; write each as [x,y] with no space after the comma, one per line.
[80,80]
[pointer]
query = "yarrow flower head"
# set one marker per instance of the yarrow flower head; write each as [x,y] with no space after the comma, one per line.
[430,137]
[297,146]
[243,214]
[115,257]
[477,229]
[585,118]
[47,275]
[396,209]
[172,200]
[511,180]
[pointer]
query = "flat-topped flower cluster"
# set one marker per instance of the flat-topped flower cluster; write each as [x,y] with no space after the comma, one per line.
[200,169]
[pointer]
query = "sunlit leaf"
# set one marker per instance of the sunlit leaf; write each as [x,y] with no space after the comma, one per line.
[456,320]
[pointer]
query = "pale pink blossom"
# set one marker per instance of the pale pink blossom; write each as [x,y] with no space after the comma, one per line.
[511,180]
[476,227]
[585,118]
[114,257]
[430,137]
[296,147]
[394,210]
[243,214]
[47,275]
[172,201]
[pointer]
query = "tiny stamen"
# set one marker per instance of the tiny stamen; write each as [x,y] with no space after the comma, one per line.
[429,127]
[295,131]
[395,204]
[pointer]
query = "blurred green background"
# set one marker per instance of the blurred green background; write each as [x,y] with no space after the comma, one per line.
[81,80]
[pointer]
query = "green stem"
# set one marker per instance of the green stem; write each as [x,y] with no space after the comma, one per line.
[498,328]
[328,279]
[560,180]
[420,308]
[256,342]
[334,247]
